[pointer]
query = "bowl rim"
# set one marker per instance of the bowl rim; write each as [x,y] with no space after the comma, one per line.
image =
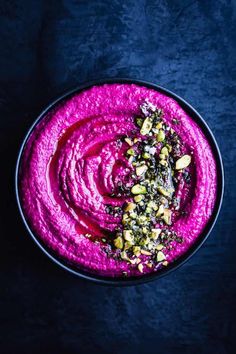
[121,281]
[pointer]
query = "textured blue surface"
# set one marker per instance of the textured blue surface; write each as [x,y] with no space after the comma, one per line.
[47,47]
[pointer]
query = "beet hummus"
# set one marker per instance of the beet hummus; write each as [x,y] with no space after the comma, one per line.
[118,180]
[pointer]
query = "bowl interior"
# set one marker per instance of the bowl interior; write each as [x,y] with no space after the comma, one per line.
[199,241]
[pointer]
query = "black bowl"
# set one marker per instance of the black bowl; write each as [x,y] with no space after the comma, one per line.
[200,240]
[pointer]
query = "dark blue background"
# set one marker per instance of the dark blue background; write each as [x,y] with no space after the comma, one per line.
[47,47]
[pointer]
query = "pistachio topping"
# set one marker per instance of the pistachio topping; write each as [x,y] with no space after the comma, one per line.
[130,206]
[167,216]
[140,170]
[140,267]
[138,198]
[128,141]
[183,162]
[118,242]
[155,159]
[130,152]
[146,126]
[161,136]
[160,256]
[138,189]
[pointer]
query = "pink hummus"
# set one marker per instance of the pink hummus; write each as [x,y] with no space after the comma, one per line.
[74,160]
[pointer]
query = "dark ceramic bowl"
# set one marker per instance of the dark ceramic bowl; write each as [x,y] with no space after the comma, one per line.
[200,240]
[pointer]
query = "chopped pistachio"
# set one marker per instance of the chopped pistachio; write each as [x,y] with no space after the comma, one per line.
[159,125]
[146,126]
[160,211]
[124,256]
[138,198]
[146,155]
[128,141]
[125,217]
[142,219]
[165,263]
[140,267]
[133,261]
[183,162]
[165,151]
[118,242]
[139,121]
[128,245]
[146,253]
[131,159]
[127,234]
[163,191]
[160,256]
[164,163]
[159,247]
[163,201]
[144,230]
[133,215]
[162,156]
[155,233]
[169,147]
[152,205]
[136,140]
[138,189]
[136,251]
[161,136]
[148,210]
[130,152]
[130,206]
[149,265]
[167,216]
[144,241]
[141,170]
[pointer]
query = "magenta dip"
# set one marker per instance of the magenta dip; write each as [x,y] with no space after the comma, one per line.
[78,169]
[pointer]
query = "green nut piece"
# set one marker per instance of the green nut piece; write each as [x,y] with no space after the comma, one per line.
[183,162]
[124,256]
[146,155]
[118,242]
[167,216]
[162,156]
[164,163]
[160,211]
[127,234]
[165,192]
[155,233]
[146,126]
[169,147]
[146,253]
[161,136]
[140,267]
[165,151]
[129,141]
[138,198]
[160,256]
[140,170]
[138,189]
[130,152]
[130,207]
[139,121]
[136,251]
[128,245]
